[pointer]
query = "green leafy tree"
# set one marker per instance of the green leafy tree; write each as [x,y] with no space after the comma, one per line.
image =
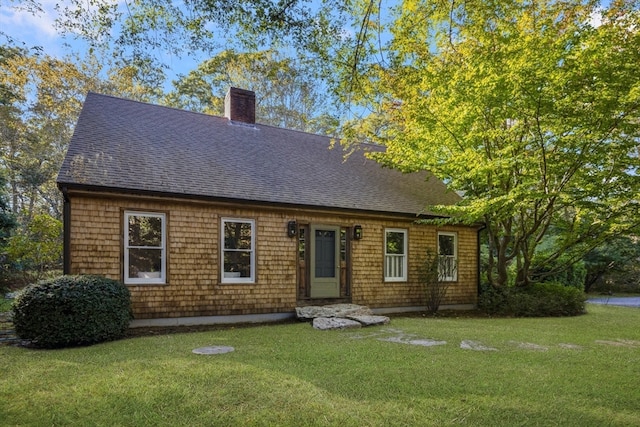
[42,97]
[7,221]
[528,108]
[287,95]
[7,225]
[40,116]
[150,35]
[143,40]
[38,250]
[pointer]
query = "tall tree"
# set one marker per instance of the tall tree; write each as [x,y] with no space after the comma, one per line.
[150,35]
[287,96]
[41,100]
[530,108]
[45,107]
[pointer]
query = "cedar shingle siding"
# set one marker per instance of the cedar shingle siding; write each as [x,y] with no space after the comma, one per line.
[198,169]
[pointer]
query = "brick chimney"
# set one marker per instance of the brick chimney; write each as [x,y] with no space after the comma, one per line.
[240,105]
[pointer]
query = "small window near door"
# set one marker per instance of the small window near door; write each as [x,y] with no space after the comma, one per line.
[302,243]
[238,250]
[448,256]
[395,255]
[144,248]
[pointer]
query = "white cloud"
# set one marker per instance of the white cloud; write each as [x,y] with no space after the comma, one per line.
[31,28]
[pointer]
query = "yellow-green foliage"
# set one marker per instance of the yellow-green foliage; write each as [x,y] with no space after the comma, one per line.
[39,247]
[528,108]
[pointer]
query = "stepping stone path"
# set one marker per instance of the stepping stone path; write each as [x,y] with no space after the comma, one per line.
[420,342]
[530,346]
[340,316]
[7,334]
[400,337]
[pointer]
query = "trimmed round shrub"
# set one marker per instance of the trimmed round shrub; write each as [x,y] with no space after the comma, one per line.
[72,310]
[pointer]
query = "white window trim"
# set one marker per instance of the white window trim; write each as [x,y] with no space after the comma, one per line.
[453,278]
[252,256]
[163,267]
[404,256]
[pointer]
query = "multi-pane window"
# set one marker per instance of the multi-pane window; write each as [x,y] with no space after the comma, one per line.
[395,255]
[448,256]
[144,248]
[238,251]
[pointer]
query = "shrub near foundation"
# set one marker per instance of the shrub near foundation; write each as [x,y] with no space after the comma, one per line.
[549,299]
[538,300]
[72,310]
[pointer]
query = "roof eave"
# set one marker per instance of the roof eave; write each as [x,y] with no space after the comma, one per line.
[66,187]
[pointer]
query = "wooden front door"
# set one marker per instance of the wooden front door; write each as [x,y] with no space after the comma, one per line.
[325,261]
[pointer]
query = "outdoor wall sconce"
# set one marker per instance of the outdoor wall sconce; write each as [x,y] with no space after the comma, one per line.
[292,229]
[357,232]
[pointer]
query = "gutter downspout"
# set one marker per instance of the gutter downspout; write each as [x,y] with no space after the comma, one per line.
[66,232]
[479,260]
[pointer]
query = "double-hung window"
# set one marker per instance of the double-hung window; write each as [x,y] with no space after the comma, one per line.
[238,251]
[395,255]
[447,256]
[145,257]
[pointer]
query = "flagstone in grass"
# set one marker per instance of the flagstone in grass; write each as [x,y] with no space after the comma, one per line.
[402,337]
[570,346]
[620,343]
[213,350]
[420,342]
[530,346]
[475,345]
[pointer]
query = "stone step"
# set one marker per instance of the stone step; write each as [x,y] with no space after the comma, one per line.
[340,316]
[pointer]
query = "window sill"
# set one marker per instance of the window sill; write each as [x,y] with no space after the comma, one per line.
[145,283]
[237,282]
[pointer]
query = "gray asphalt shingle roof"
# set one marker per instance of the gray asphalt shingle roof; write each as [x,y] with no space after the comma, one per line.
[124,145]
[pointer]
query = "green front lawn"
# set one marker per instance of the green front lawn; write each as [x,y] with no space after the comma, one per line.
[579,371]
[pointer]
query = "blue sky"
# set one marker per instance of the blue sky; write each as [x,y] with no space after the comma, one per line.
[33,30]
